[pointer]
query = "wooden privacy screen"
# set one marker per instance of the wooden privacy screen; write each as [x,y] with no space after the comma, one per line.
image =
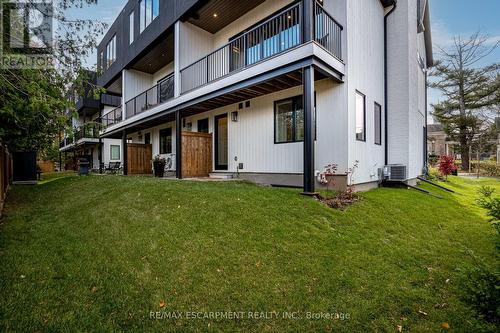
[139,159]
[196,154]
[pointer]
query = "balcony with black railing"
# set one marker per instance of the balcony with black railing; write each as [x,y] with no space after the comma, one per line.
[280,33]
[113,117]
[87,132]
[158,94]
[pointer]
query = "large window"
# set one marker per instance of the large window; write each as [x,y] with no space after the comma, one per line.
[111,51]
[378,124]
[131,28]
[166,141]
[360,116]
[289,120]
[115,153]
[149,10]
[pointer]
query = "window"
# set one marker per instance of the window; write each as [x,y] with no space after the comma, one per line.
[203,125]
[111,51]
[149,10]
[378,123]
[102,65]
[166,141]
[360,116]
[115,153]
[131,28]
[289,120]
[147,138]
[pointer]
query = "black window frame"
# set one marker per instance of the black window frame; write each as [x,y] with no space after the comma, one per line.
[377,125]
[198,125]
[364,117]
[295,102]
[168,148]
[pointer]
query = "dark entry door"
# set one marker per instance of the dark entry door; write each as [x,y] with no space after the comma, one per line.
[221,142]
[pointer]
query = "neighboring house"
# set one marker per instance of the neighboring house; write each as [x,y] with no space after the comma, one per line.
[270,90]
[438,142]
[84,141]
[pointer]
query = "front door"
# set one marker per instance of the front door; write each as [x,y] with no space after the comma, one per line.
[221,138]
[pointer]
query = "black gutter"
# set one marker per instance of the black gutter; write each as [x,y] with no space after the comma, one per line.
[386,144]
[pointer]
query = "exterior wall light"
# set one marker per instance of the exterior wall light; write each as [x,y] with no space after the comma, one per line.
[234,116]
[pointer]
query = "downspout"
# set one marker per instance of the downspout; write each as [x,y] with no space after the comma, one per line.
[386,98]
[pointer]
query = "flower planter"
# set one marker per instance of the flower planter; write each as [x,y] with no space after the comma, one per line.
[159,169]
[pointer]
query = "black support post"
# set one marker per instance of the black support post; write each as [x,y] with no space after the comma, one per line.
[178,145]
[125,153]
[308,100]
[308,20]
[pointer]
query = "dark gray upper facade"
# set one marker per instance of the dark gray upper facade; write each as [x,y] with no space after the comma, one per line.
[170,11]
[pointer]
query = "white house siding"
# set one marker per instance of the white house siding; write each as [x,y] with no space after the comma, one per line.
[251,138]
[106,150]
[406,89]
[365,73]
[194,44]
[134,83]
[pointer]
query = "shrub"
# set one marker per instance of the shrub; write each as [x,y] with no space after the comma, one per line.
[486,168]
[481,285]
[489,202]
[434,174]
[447,166]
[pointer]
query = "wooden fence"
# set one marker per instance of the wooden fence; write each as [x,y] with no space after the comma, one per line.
[196,154]
[139,159]
[5,174]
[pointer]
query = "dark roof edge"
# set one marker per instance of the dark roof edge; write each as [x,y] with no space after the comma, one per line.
[428,36]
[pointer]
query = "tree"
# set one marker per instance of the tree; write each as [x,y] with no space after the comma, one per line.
[446,166]
[471,92]
[34,102]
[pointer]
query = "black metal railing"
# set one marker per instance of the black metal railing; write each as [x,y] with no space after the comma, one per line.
[158,94]
[327,31]
[277,34]
[113,117]
[111,100]
[88,131]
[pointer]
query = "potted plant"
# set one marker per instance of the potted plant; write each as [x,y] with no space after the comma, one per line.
[159,166]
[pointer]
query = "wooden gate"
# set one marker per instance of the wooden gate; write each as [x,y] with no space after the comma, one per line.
[139,158]
[196,154]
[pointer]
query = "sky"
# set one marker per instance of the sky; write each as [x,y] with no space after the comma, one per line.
[449,18]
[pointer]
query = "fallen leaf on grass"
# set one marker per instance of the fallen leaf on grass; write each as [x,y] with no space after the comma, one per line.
[445,325]
[422,312]
[399,328]
[94,290]
[162,304]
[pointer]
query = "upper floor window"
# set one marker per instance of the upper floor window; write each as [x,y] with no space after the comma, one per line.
[102,65]
[360,116]
[131,28]
[149,10]
[111,51]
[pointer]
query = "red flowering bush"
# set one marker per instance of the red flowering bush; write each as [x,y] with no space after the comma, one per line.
[446,166]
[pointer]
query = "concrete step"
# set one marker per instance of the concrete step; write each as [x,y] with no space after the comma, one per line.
[221,175]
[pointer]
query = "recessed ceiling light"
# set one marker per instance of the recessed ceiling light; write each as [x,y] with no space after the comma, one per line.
[215,15]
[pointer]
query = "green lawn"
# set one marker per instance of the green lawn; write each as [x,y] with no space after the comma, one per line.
[101,253]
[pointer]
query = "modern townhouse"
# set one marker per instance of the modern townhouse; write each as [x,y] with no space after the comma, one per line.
[83,139]
[270,91]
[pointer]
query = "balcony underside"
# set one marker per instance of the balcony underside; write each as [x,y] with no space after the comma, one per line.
[80,144]
[266,83]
